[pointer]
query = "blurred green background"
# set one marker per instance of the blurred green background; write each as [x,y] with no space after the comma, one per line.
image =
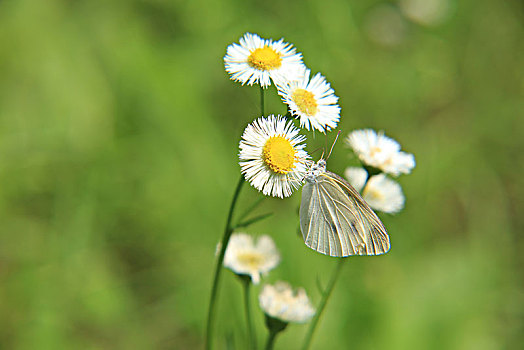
[119,133]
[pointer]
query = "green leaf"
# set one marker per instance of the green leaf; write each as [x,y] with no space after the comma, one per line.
[252,221]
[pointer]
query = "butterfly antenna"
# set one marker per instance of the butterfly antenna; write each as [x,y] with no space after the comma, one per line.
[316,150]
[325,145]
[333,145]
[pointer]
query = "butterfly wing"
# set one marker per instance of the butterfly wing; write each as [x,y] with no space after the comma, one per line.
[336,221]
[315,223]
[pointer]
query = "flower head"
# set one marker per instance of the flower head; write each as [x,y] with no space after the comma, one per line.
[272,156]
[258,61]
[313,101]
[380,192]
[244,256]
[380,151]
[282,302]
[356,176]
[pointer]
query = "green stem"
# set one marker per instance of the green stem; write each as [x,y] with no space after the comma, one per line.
[250,330]
[225,240]
[325,296]
[262,100]
[274,326]
[252,221]
[252,207]
[271,339]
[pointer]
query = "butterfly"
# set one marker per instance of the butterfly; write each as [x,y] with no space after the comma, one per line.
[335,220]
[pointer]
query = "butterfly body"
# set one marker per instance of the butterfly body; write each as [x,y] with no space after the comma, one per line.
[335,220]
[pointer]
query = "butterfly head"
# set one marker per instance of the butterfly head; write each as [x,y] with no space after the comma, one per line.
[315,170]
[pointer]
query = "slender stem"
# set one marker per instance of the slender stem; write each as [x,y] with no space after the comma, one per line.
[262,109]
[247,308]
[325,296]
[252,207]
[216,279]
[274,326]
[252,221]
[271,339]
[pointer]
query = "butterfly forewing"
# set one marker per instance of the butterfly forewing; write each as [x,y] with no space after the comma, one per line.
[315,224]
[336,221]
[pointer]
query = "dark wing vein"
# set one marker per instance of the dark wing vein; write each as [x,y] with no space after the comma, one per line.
[332,225]
[372,231]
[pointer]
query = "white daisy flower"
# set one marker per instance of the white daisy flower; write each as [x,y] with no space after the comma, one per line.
[282,302]
[244,256]
[272,156]
[258,61]
[313,101]
[380,151]
[381,193]
[357,177]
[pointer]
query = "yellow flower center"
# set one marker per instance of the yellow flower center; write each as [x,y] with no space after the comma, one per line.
[305,101]
[264,58]
[253,260]
[279,155]
[374,150]
[372,194]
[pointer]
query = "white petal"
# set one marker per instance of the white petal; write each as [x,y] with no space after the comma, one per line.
[244,256]
[356,177]
[280,301]
[384,194]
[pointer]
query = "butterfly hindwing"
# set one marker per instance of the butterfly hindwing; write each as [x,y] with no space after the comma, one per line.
[336,221]
[370,228]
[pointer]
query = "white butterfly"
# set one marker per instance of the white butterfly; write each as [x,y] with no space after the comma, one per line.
[335,220]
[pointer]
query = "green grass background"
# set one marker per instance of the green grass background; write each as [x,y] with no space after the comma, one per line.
[119,133]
